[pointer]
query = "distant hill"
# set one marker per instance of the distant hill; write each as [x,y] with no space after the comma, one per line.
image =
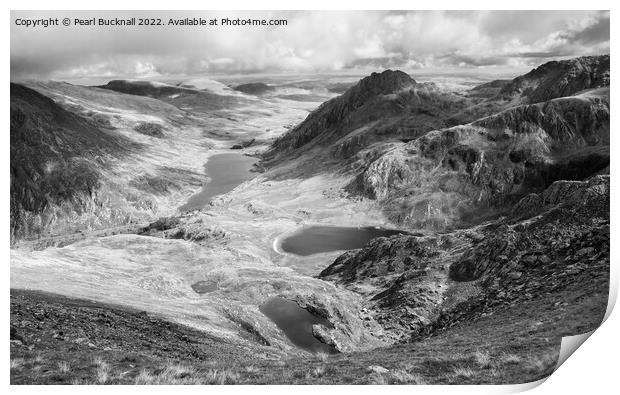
[254,88]
[203,97]
[146,88]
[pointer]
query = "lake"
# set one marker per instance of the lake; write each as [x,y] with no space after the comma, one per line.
[225,172]
[316,239]
[296,323]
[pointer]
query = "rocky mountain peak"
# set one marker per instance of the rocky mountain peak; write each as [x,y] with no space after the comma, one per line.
[560,78]
[386,82]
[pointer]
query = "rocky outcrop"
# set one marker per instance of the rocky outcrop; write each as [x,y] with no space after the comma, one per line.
[563,192]
[417,285]
[192,228]
[541,165]
[445,176]
[149,129]
[340,110]
[350,330]
[559,79]
[244,144]
[567,207]
[403,278]
[380,259]
[382,107]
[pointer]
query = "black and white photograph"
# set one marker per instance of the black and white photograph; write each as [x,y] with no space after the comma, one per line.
[310,197]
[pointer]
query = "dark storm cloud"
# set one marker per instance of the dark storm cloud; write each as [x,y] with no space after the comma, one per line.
[311,42]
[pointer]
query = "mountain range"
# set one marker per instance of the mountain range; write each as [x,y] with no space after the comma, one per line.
[496,196]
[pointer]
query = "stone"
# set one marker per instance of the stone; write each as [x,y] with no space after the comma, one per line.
[585,251]
[514,275]
[377,369]
[544,259]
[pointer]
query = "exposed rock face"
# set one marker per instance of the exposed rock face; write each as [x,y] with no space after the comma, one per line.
[149,129]
[402,277]
[244,144]
[570,211]
[352,331]
[445,175]
[415,285]
[540,160]
[380,259]
[559,79]
[550,81]
[389,105]
[55,157]
[339,110]
[515,137]
[574,193]
[196,229]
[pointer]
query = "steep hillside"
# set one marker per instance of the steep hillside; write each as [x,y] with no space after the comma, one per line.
[382,107]
[551,241]
[549,81]
[558,79]
[434,159]
[449,175]
[56,156]
[390,107]
[487,305]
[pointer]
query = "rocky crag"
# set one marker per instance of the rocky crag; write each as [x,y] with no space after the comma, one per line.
[515,203]
[413,285]
[387,106]
[398,141]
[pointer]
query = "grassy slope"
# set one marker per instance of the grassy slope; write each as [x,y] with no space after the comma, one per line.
[510,343]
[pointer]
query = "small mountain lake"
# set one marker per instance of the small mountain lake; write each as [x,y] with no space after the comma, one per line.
[296,323]
[225,171]
[316,239]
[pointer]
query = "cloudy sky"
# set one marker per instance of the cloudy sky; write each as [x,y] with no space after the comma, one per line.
[312,42]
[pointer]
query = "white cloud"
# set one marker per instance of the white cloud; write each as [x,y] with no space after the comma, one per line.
[311,42]
[372,48]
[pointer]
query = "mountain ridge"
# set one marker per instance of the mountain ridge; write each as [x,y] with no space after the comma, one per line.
[378,100]
[511,143]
